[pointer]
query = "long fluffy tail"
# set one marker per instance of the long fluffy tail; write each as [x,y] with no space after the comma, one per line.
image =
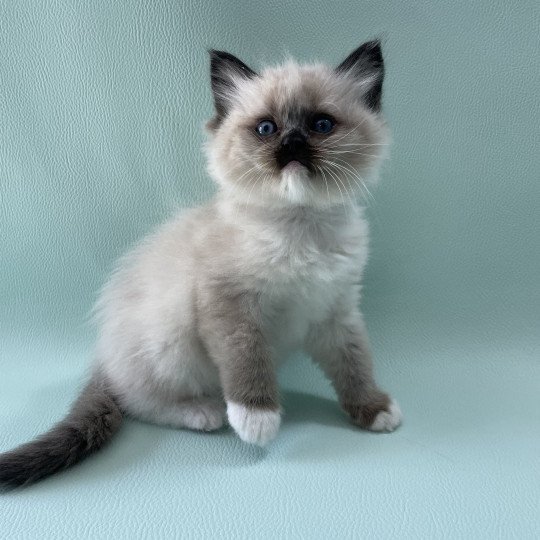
[91,422]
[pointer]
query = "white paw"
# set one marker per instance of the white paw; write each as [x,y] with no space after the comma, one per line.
[255,426]
[204,417]
[388,420]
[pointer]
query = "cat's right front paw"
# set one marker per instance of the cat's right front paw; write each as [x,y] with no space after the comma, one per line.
[254,426]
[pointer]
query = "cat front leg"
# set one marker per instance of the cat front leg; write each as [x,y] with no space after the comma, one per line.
[232,331]
[340,346]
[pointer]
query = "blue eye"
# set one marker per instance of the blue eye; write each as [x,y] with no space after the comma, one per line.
[266,127]
[322,124]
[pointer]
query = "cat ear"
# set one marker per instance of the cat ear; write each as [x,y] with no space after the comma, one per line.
[225,71]
[366,66]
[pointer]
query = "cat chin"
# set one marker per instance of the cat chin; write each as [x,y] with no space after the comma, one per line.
[291,189]
[297,187]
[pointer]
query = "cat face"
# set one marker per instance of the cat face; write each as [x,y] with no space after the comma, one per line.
[297,134]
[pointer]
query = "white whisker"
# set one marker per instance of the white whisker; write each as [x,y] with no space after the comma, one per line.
[350,152]
[361,144]
[336,180]
[324,178]
[350,172]
[345,135]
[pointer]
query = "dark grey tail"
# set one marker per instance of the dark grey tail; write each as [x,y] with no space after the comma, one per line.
[91,422]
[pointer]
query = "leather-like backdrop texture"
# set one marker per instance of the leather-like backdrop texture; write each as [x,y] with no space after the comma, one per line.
[102,108]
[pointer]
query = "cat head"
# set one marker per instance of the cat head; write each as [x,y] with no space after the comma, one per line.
[297,134]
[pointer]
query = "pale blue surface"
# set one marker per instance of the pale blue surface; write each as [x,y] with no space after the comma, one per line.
[101,107]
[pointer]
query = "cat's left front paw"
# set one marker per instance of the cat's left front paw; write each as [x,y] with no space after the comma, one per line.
[254,426]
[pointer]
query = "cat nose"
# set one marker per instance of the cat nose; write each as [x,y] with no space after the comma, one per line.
[293,142]
[294,147]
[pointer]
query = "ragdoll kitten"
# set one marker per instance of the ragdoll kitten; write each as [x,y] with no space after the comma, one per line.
[196,319]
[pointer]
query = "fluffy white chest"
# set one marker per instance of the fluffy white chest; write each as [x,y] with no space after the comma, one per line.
[303,280]
[301,261]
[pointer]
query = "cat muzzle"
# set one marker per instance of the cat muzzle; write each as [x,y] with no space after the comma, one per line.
[294,147]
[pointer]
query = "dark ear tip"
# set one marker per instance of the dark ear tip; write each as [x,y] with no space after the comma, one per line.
[216,57]
[224,56]
[373,49]
[214,53]
[374,43]
[368,54]
[225,68]
[366,62]
[219,59]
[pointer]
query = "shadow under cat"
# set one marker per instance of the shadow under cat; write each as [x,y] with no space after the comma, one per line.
[137,441]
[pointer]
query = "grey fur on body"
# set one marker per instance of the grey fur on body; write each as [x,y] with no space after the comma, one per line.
[195,320]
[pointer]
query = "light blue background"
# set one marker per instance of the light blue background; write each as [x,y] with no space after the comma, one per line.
[101,111]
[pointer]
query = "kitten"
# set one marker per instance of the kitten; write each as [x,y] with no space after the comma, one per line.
[195,320]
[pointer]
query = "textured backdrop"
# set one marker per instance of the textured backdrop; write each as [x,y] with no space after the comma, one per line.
[102,105]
